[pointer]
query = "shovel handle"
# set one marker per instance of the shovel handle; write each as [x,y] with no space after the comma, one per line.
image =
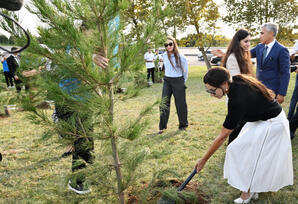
[187,180]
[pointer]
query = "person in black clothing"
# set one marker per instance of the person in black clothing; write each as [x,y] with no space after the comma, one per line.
[13,63]
[83,146]
[263,139]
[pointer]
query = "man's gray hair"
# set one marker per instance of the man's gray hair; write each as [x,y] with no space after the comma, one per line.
[271,27]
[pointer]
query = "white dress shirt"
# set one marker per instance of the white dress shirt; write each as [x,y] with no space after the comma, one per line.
[295,48]
[270,45]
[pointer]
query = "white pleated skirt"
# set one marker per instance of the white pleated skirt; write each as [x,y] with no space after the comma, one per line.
[260,158]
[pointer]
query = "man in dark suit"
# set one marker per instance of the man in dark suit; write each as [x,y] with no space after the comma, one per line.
[13,63]
[273,62]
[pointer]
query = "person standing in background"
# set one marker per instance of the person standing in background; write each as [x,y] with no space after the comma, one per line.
[149,59]
[292,114]
[13,62]
[176,74]
[157,60]
[6,72]
[273,62]
[238,61]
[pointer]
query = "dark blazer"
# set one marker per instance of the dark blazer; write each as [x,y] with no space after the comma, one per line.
[275,72]
[12,65]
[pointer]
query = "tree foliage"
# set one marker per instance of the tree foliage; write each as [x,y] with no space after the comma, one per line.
[252,14]
[203,15]
[4,40]
[192,40]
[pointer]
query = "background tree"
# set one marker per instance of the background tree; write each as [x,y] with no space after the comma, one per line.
[203,15]
[4,40]
[172,20]
[252,14]
[287,36]
[136,15]
[16,34]
[192,40]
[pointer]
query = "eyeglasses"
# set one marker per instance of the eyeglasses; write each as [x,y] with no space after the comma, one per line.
[211,91]
[169,44]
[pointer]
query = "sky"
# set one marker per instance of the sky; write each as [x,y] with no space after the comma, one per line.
[30,21]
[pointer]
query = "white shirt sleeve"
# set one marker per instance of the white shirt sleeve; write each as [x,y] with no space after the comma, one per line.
[184,65]
[295,49]
[232,65]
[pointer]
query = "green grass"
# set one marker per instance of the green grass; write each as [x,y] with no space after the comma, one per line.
[33,172]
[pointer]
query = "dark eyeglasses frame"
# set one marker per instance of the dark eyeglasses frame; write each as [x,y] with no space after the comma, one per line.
[211,91]
[169,44]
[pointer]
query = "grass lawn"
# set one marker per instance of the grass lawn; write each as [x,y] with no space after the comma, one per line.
[33,172]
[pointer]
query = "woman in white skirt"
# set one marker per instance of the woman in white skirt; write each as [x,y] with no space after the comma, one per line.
[260,158]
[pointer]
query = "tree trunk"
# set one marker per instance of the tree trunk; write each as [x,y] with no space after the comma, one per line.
[205,58]
[115,151]
[174,34]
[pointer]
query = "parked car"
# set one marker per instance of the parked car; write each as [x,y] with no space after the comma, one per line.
[215,60]
[208,53]
[161,51]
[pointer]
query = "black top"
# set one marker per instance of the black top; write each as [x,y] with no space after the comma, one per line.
[249,104]
[12,64]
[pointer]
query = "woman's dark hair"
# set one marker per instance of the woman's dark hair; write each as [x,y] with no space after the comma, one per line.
[13,49]
[242,56]
[218,75]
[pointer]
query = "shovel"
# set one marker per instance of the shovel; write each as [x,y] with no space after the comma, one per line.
[181,187]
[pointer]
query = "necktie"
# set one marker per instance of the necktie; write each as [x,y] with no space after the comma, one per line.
[264,54]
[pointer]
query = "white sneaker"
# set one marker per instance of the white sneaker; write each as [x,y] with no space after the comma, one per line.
[79,189]
[253,196]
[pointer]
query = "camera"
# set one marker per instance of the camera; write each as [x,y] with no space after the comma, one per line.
[293,68]
[12,5]
[294,64]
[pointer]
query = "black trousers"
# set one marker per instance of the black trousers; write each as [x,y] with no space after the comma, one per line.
[175,86]
[83,146]
[294,123]
[8,79]
[18,84]
[150,71]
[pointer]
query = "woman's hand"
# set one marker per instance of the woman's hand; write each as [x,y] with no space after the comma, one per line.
[100,60]
[280,98]
[200,164]
[218,53]
[30,73]
[215,145]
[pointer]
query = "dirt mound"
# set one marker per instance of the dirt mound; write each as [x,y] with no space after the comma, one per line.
[160,186]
